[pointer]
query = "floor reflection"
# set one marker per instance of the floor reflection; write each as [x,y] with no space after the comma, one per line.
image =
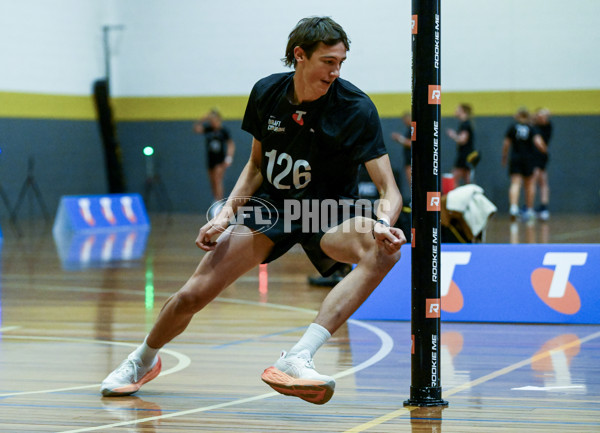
[131,408]
[426,419]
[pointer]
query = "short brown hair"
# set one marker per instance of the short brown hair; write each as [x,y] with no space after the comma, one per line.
[309,32]
[522,114]
[466,108]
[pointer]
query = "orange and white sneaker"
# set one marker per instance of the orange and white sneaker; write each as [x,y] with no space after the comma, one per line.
[129,377]
[295,375]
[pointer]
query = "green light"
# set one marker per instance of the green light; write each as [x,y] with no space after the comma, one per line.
[149,287]
[148,151]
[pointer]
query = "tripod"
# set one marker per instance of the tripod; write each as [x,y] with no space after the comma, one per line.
[30,183]
[155,185]
[5,200]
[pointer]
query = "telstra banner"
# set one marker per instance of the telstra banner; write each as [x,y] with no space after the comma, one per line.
[93,212]
[530,283]
[100,230]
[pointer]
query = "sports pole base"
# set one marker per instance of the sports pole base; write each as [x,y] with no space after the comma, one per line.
[425,397]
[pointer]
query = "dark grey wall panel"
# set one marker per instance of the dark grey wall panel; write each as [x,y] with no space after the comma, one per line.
[67,155]
[69,160]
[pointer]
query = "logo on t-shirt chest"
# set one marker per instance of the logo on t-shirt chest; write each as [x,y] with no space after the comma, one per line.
[297,116]
[275,125]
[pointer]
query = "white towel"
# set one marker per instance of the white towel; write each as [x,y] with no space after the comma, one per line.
[473,205]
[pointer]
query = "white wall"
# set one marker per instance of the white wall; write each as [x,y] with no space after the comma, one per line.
[201,47]
[50,46]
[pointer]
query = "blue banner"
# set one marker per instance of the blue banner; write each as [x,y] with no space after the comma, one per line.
[93,212]
[101,230]
[531,283]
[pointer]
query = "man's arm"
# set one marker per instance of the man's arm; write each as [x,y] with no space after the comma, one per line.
[198,126]
[460,138]
[396,136]
[539,142]
[230,152]
[390,199]
[505,149]
[389,204]
[248,182]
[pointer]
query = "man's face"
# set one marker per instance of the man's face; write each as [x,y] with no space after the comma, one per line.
[317,73]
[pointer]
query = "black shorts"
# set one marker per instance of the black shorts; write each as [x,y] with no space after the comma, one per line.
[540,160]
[461,159]
[407,157]
[287,228]
[521,164]
[215,158]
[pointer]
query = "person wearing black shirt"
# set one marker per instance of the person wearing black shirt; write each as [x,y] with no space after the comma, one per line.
[220,149]
[464,139]
[518,149]
[405,139]
[542,122]
[311,132]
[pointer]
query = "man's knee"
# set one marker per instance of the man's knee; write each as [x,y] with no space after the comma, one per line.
[380,260]
[390,260]
[190,300]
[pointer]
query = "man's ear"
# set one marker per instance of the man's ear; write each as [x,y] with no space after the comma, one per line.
[299,54]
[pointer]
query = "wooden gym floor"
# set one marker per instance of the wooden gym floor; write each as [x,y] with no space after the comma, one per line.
[62,331]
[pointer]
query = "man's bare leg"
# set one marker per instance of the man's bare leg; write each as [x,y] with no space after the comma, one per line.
[294,374]
[237,251]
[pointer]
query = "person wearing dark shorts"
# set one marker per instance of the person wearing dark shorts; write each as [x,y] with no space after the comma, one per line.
[541,121]
[520,141]
[464,139]
[311,132]
[220,149]
[405,139]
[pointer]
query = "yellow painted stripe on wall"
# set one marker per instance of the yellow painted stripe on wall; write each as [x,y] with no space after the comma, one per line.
[178,108]
[42,106]
[28,105]
[572,102]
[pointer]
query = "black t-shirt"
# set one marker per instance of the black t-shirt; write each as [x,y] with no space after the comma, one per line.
[216,139]
[468,147]
[314,149]
[407,149]
[521,135]
[545,131]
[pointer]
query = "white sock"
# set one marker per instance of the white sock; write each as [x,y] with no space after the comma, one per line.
[145,353]
[313,338]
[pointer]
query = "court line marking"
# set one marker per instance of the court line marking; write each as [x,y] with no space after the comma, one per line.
[575,234]
[387,344]
[9,328]
[183,360]
[471,384]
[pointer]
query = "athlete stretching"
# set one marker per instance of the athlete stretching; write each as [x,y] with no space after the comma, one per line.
[311,133]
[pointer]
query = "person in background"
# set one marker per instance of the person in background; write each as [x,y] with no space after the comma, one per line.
[220,149]
[518,150]
[463,136]
[405,140]
[542,122]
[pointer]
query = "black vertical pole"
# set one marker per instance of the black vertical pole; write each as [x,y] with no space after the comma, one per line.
[108,133]
[425,387]
[106,46]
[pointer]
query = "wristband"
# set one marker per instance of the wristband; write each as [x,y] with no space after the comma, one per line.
[383,221]
[228,159]
[380,221]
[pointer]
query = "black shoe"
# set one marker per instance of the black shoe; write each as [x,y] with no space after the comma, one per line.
[331,280]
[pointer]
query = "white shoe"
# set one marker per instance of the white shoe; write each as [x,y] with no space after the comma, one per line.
[544,215]
[529,215]
[129,377]
[295,375]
